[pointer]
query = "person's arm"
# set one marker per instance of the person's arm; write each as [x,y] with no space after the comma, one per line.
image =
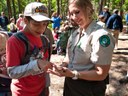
[23,70]
[32,68]
[101,56]
[99,73]
[14,55]
[109,23]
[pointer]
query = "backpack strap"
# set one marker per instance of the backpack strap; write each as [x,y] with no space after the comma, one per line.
[46,45]
[21,36]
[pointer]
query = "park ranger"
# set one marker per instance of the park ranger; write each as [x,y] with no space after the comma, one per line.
[89,54]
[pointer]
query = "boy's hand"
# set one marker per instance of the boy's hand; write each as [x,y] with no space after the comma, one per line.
[44,65]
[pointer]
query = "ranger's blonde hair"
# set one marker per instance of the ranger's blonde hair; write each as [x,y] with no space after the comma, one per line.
[85,5]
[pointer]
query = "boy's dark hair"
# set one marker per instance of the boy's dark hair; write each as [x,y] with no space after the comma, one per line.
[28,18]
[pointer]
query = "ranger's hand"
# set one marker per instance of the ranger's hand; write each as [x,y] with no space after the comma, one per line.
[61,71]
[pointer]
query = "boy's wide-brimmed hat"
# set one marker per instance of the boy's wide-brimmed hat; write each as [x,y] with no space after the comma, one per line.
[115,10]
[37,11]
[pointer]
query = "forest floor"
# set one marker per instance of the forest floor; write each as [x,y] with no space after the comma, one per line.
[118,70]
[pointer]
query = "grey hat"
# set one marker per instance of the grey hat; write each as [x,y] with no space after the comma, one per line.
[37,11]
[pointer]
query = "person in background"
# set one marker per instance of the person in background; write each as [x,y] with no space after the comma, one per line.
[105,13]
[115,25]
[63,38]
[85,66]
[29,74]
[56,25]
[101,20]
[56,21]
[4,21]
[20,22]
[12,25]
[66,29]
[49,35]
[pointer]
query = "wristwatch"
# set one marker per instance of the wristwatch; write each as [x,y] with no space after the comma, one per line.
[76,75]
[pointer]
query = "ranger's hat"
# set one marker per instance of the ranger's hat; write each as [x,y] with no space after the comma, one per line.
[37,11]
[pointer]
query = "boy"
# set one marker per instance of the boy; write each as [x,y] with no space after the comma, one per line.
[28,77]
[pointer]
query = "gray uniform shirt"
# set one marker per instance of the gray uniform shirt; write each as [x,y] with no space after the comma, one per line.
[85,49]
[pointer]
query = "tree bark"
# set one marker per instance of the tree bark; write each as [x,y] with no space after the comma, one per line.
[58,8]
[14,10]
[49,8]
[19,7]
[100,6]
[9,9]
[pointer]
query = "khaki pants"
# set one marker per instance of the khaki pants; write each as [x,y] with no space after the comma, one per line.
[115,34]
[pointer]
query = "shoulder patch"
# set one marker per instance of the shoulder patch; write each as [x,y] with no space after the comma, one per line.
[104,41]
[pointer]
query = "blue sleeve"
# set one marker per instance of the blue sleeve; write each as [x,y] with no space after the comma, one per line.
[109,23]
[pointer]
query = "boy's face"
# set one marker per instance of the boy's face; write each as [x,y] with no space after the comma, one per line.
[36,28]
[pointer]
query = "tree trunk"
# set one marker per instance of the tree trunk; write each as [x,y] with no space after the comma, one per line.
[100,6]
[19,7]
[9,9]
[58,8]
[49,8]
[14,10]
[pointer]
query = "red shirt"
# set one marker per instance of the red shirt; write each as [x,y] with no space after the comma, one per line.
[27,86]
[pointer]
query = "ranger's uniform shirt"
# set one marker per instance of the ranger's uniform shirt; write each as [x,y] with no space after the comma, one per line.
[85,49]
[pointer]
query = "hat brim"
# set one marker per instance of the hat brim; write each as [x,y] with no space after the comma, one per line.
[40,18]
[105,7]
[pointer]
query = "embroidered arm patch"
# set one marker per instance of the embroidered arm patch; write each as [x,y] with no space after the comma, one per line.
[104,41]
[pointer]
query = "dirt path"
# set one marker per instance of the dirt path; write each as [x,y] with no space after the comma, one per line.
[118,70]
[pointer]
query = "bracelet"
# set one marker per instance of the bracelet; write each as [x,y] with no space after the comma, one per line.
[76,75]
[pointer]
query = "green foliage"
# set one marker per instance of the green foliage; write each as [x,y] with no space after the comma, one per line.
[125,6]
[54,7]
[3,6]
[126,1]
[63,5]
